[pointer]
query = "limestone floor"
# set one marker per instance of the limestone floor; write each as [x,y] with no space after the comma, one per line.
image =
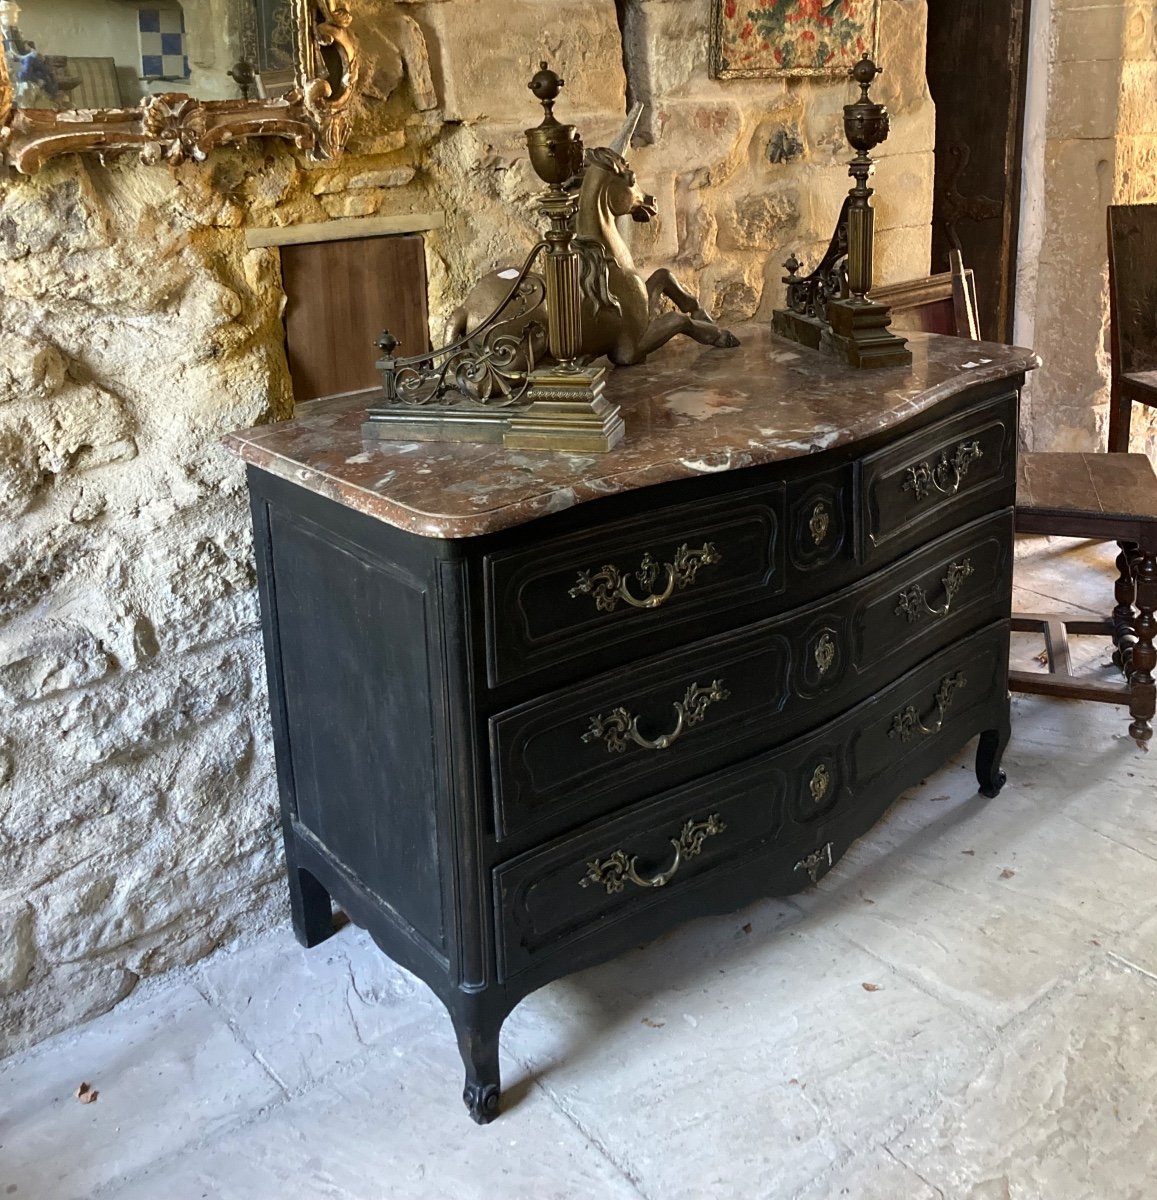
[965,1009]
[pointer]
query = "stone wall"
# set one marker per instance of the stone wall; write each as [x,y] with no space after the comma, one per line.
[137,798]
[1091,141]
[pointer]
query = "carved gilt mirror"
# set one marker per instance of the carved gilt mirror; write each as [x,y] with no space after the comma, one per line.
[172,79]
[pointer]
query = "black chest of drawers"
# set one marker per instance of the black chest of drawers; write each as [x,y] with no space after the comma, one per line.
[513,755]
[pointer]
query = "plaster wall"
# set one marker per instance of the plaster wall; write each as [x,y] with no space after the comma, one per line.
[1090,141]
[137,796]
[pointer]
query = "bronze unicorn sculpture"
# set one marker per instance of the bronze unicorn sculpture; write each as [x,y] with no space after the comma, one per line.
[620,315]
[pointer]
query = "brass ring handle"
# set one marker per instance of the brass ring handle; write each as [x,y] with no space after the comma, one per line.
[615,871]
[908,722]
[946,475]
[913,604]
[609,585]
[620,727]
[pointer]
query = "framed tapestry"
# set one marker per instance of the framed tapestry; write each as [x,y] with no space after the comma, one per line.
[758,38]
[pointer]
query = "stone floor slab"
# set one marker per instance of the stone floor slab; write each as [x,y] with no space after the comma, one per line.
[1064,1110]
[304,1012]
[723,1064]
[168,1071]
[394,1128]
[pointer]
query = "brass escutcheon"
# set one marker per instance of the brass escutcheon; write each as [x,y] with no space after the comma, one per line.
[819,783]
[825,653]
[619,868]
[820,523]
[814,861]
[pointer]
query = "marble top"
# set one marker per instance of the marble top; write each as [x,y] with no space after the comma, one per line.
[691,410]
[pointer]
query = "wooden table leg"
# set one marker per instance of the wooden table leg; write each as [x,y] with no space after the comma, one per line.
[1143,694]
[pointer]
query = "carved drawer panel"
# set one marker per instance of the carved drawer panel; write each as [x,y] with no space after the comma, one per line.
[579,752]
[938,478]
[588,884]
[784,814]
[547,603]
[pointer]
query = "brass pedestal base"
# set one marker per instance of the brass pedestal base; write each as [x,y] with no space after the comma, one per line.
[858,333]
[567,412]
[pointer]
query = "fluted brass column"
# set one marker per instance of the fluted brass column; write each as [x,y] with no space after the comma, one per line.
[568,410]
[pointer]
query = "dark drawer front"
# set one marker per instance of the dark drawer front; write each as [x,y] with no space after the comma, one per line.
[584,751]
[938,478]
[785,807]
[546,604]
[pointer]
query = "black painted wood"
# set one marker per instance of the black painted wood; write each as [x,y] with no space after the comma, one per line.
[436,704]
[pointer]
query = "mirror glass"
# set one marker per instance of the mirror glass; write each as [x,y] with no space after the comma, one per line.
[81,54]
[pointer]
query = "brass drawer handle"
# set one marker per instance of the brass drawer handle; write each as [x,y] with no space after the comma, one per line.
[908,722]
[820,523]
[946,475]
[613,872]
[913,604]
[610,585]
[620,727]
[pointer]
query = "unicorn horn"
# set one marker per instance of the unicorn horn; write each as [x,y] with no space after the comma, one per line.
[623,137]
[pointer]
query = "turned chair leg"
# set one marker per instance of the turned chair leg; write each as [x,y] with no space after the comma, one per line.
[1125,592]
[1142,660]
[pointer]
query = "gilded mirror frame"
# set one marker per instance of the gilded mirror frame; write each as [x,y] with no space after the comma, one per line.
[174,127]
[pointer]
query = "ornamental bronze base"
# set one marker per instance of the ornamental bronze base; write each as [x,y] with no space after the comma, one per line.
[567,412]
[797,328]
[859,335]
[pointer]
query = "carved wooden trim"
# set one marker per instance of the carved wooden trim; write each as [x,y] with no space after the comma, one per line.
[173,127]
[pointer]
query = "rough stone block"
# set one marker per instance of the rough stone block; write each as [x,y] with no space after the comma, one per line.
[17,946]
[1086,34]
[760,220]
[485,77]
[50,656]
[1084,99]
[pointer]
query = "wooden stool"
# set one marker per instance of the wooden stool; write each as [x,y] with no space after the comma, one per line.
[1113,497]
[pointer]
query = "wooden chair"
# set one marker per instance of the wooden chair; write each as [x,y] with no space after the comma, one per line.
[943,303]
[1132,315]
[1110,496]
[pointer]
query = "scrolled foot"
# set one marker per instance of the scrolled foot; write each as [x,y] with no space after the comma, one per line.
[991,787]
[481,1100]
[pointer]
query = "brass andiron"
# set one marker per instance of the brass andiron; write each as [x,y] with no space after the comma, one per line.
[485,386]
[829,309]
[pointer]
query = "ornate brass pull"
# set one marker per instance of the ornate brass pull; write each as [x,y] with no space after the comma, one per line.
[610,585]
[819,783]
[908,722]
[620,727]
[947,473]
[913,604]
[820,523]
[615,871]
[814,861]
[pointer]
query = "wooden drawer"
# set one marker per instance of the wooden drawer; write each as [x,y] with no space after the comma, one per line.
[576,753]
[546,603]
[785,807]
[938,478]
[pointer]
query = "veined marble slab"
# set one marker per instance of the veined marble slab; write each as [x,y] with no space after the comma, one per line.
[691,410]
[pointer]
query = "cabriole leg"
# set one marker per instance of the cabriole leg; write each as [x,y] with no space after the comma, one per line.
[310,907]
[478,1045]
[989,752]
